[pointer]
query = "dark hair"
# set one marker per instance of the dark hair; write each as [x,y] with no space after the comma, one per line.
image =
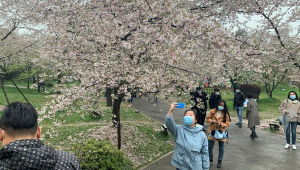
[195,112]
[216,89]
[198,88]
[19,119]
[295,94]
[225,111]
[249,95]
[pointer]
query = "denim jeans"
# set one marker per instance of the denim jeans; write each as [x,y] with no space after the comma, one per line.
[288,133]
[211,144]
[239,111]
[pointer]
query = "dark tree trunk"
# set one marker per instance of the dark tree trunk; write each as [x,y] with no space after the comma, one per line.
[271,93]
[33,79]
[28,83]
[108,96]
[39,87]
[116,111]
[3,89]
[59,78]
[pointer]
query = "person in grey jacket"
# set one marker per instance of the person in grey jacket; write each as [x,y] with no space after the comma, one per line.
[191,148]
[252,115]
[21,147]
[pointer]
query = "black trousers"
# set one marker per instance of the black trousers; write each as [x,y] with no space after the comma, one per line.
[201,115]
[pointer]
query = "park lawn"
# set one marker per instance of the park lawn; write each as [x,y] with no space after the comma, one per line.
[142,139]
[35,98]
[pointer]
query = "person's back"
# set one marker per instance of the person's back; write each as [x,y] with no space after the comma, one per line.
[22,150]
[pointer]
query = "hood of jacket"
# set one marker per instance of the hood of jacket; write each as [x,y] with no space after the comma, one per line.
[27,154]
[197,128]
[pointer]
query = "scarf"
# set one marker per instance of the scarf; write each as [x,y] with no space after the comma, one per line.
[293,101]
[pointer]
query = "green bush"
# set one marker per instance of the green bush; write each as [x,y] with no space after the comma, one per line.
[101,155]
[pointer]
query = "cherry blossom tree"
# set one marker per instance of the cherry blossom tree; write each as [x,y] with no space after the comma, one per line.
[278,24]
[152,45]
[19,31]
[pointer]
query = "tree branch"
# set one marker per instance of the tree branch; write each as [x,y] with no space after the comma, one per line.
[12,30]
[20,50]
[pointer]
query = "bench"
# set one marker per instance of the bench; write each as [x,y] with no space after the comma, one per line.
[274,127]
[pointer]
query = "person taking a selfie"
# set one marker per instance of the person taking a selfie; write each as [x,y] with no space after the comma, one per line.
[191,145]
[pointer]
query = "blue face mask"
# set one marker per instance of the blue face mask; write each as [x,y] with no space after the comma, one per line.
[220,108]
[293,97]
[188,120]
[199,92]
[217,93]
[237,91]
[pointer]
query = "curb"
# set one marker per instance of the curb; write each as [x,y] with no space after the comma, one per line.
[154,161]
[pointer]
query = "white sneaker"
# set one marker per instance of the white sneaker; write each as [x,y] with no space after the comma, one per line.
[294,147]
[287,146]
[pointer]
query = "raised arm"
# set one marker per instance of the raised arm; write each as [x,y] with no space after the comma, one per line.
[169,121]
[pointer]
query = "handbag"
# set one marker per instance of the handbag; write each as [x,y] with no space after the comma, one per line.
[219,134]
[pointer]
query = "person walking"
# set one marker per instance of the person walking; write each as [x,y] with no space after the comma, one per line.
[252,115]
[191,144]
[200,106]
[214,99]
[239,99]
[291,107]
[218,119]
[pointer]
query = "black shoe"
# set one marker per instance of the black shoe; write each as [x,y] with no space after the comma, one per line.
[211,160]
[219,164]
[251,134]
[240,125]
[237,124]
[254,136]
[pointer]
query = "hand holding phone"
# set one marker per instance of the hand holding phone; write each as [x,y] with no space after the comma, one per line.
[180,105]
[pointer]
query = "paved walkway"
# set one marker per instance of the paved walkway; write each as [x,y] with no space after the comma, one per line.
[264,153]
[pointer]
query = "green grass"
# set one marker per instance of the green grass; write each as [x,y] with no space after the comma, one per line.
[35,98]
[141,138]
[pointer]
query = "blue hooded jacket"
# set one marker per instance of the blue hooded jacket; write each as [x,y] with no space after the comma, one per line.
[191,148]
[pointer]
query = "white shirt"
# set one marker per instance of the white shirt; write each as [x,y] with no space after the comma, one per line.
[218,114]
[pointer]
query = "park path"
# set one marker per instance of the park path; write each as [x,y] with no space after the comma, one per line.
[264,153]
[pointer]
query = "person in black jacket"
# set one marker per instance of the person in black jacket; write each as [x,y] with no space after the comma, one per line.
[21,147]
[200,106]
[238,103]
[214,99]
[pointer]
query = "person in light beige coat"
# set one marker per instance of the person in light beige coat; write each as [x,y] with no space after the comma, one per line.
[252,115]
[291,107]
